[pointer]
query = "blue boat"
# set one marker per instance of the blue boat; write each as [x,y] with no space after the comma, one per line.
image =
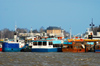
[12,46]
[44,46]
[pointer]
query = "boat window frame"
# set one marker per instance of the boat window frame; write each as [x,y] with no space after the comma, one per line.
[50,43]
[71,46]
[44,44]
[79,46]
[40,43]
[76,46]
[35,44]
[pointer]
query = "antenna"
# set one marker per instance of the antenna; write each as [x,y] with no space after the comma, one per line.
[92,24]
[31,29]
[15,26]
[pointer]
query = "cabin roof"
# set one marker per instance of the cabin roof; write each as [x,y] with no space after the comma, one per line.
[41,40]
[53,28]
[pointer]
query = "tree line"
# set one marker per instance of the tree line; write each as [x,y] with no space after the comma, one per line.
[6,33]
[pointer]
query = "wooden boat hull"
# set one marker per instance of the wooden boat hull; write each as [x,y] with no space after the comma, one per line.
[73,50]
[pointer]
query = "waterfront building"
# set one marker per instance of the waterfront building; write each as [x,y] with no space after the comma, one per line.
[55,31]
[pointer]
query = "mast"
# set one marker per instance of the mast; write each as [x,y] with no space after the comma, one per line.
[31,32]
[70,32]
[15,34]
[92,24]
[15,28]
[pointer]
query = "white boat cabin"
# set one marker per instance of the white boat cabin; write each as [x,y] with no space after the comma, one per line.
[42,44]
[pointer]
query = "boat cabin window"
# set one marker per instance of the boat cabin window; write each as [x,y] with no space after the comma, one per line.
[67,46]
[71,46]
[75,46]
[56,45]
[17,40]
[88,46]
[34,43]
[39,43]
[79,47]
[50,43]
[44,43]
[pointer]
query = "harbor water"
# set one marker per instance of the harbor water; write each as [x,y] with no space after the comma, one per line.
[49,59]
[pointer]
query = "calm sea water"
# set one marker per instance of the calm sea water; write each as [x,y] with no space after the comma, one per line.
[49,59]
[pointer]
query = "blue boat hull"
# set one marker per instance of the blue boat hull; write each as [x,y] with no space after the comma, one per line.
[44,49]
[11,50]
[97,51]
[10,47]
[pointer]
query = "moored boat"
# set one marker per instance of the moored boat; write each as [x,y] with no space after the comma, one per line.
[43,46]
[73,47]
[10,47]
[13,46]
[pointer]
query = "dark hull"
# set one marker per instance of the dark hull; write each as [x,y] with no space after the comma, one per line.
[26,50]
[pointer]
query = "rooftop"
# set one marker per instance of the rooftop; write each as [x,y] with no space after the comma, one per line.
[53,28]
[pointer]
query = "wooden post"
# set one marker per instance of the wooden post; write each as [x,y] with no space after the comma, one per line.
[94,48]
[94,45]
[61,47]
[85,46]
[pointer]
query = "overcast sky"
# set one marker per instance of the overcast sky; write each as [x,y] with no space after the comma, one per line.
[76,14]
